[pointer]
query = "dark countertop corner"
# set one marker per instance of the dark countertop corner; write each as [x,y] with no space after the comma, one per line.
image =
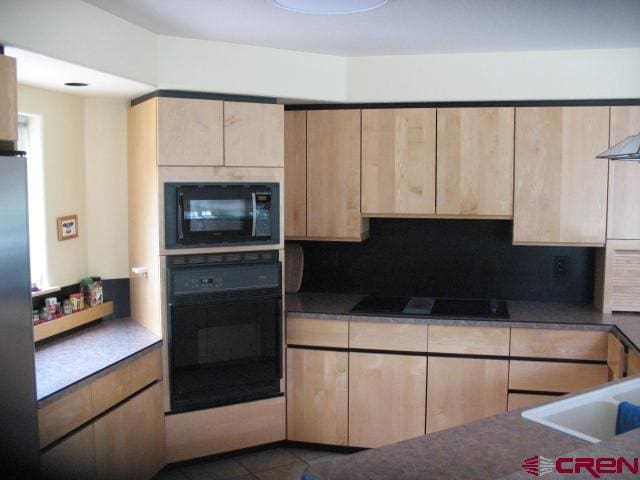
[66,363]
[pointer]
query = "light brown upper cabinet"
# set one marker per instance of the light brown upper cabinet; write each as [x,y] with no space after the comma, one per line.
[475,162]
[333,176]
[624,179]
[398,161]
[8,100]
[560,187]
[190,132]
[295,173]
[253,135]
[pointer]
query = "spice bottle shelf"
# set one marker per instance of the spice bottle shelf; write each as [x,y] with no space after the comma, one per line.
[62,324]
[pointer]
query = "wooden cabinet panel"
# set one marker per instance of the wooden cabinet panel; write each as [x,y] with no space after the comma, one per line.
[406,337]
[525,400]
[475,161]
[295,173]
[386,398]
[618,276]
[71,459]
[253,135]
[398,161]
[129,441]
[8,100]
[189,132]
[319,332]
[469,340]
[560,187]
[624,178]
[555,377]
[461,390]
[317,396]
[64,415]
[633,365]
[561,344]
[224,429]
[146,370]
[333,175]
[615,358]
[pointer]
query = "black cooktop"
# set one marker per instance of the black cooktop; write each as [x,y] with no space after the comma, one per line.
[433,307]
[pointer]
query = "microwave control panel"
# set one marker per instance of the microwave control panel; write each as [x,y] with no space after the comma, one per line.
[263,215]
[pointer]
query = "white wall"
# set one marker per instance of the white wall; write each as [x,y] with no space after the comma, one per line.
[576,74]
[64,177]
[105,140]
[242,69]
[84,152]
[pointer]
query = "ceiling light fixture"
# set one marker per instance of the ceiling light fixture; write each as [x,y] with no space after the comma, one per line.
[76,84]
[329,7]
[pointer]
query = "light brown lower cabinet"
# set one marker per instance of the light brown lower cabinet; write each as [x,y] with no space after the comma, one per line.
[317,396]
[633,364]
[525,400]
[615,357]
[72,459]
[461,390]
[560,377]
[387,395]
[128,442]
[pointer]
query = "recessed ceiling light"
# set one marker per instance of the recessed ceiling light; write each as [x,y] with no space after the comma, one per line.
[329,7]
[76,84]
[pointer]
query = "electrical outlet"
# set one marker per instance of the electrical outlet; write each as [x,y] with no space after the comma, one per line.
[560,265]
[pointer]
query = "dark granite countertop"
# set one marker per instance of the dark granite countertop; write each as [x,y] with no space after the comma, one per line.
[522,314]
[67,363]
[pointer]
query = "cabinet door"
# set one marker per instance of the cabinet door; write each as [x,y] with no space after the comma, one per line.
[317,404]
[560,187]
[633,366]
[461,390]
[129,441]
[475,161]
[71,459]
[8,100]
[189,132]
[295,173]
[398,161]
[624,179]
[333,175]
[387,398]
[253,135]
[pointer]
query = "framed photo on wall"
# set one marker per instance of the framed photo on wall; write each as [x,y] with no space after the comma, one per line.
[67,227]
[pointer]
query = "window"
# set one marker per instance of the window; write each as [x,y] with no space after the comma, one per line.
[30,140]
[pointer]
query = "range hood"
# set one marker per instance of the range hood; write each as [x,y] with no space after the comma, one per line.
[627,149]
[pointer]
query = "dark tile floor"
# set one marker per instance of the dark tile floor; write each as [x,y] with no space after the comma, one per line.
[278,463]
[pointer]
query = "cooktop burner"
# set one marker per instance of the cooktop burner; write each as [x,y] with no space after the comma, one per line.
[429,307]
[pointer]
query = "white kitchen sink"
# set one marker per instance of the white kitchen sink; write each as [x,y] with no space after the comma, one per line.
[590,416]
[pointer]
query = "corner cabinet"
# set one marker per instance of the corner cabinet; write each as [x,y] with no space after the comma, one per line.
[560,191]
[624,179]
[295,173]
[332,183]
[398,161]
[475,162]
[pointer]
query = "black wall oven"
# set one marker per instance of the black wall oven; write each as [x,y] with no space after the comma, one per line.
[225,328]
[218,214]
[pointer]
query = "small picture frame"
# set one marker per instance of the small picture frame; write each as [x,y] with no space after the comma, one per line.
[67,227]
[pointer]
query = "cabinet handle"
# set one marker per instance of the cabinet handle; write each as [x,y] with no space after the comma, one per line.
[140,271]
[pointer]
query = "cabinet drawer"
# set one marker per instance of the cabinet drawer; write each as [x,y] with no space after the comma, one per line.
[119,384]
[319,332]
[388,336]
[561,344]
[469,340]
[555,376]
[524,400]
[63,415]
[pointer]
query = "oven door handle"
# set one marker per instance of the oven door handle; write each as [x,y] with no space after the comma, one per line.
[180,216]
[255,214]
[280,345]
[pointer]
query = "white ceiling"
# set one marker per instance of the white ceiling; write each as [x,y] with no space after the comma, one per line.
[400,27]
[49,73]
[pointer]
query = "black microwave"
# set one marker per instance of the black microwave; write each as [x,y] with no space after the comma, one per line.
[200,215]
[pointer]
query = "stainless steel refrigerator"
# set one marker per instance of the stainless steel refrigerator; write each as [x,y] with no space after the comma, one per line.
[19,446]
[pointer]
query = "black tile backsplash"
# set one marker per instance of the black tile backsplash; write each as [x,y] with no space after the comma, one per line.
[449,258]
